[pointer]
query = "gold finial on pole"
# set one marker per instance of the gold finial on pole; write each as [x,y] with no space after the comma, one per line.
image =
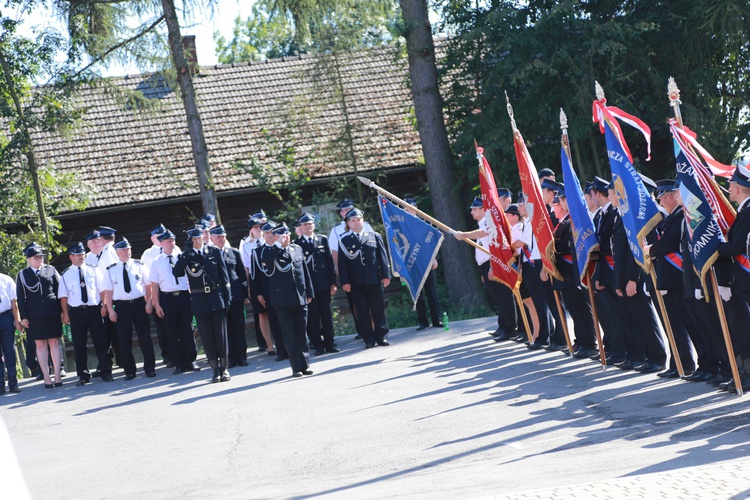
[599,91]
[510,111]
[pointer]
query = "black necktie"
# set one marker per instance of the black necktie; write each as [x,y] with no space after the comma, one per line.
[125,278]
[84,291]
[171,265]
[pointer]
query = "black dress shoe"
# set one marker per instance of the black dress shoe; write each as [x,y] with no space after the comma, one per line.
[533,346]
[241,362]
[724,386]
[307,372]
[272,353]
[422,326]
[2,389]
[281,357]
[15,389]
[498,332]
[231,364]
[169,364]
[297,374]
[130,376]
[179,370]
[626,365]
[671,373]
[358,337]
[640,366]
[552,347]
[333,349]
[586,353]
[96,373]
[108,378]
[503,337]
[194,366]
[651,368]
[57,384]
[41,377]
[318,352]
[81,382]
[693,377]
[262,349]
[521,337]
[151,374]
[744,381]
[718,380]
[615,360]
[438,325]
[369,345]
[383,342]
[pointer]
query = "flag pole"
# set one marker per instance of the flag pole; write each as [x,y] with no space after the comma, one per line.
[602,355]
[674,100]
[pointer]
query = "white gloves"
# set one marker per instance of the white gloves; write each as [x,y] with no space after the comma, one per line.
[698,294]
[725,292]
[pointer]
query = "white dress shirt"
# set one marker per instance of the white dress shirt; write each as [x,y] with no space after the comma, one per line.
[137,273]
[160,273]
[70,285]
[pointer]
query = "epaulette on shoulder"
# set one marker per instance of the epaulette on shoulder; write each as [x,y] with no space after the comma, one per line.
[65,270]
[138,261]
[112,265]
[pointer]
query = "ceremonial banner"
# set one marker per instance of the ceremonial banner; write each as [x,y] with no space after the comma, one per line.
[704,232]
[639,212]
[722,209]
[412,242]
[502,255]
[584,236]
[541,223]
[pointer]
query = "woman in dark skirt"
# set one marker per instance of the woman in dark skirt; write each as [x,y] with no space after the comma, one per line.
[39,308]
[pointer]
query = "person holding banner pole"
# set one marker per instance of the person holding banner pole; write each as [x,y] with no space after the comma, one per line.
[668,265]
[501,296]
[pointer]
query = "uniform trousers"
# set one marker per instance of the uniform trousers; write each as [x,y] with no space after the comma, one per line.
[8,353]
[429,289]
[273,320]
[558,335]
[213,331]
[502,299]
[292,321]
[369,301]
[643,339]
[162,339]
[712,356]
[129,315]
[578,306]
[612,321]
[87,320]
[178,328]
[534,286]
[738,317]
[678,315]
[320,320]
[237,343]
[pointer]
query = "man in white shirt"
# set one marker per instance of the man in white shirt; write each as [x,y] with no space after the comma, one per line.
[80,297]
[128,299]
[147,258]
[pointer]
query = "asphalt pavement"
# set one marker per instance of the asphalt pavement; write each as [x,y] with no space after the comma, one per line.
[438,414]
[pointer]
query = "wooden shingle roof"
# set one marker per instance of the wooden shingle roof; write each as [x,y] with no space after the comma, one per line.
[248,110]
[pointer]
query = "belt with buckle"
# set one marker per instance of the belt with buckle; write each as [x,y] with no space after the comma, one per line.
[205,289]
[175,293]
[131,300]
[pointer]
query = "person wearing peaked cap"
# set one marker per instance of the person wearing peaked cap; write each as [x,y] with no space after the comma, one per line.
[210,218]
[39,313]
[736,247]
[364,272]
[410,199]
[107,231]
[546,173]
[127,294]
[429,288]
[9,323]
[291,290]
[80,293]
[320,265]
[574,297]
[334,236]
[247,246]
[505,197]
[170,296]
[148,257]
[260,289]
[500,295]
[590,203]
[236,340]
[667,261]
[648,182]
[608,304]
[210,297]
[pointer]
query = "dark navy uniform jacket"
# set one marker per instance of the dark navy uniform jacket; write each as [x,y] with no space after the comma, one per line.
[237,274]
[208,277]
[626,267]
[604,272]
[259,283]
[37,295]
[363,262]
[565,260]
[666,249]
[736,247]
[319,261]
[290,282]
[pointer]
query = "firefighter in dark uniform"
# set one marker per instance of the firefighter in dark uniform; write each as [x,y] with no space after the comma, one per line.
[364,271]
[238,284]
[291,290]
[259,284]
[210,298]
[320,264]
[668,266]
[574,297]
[642,340]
